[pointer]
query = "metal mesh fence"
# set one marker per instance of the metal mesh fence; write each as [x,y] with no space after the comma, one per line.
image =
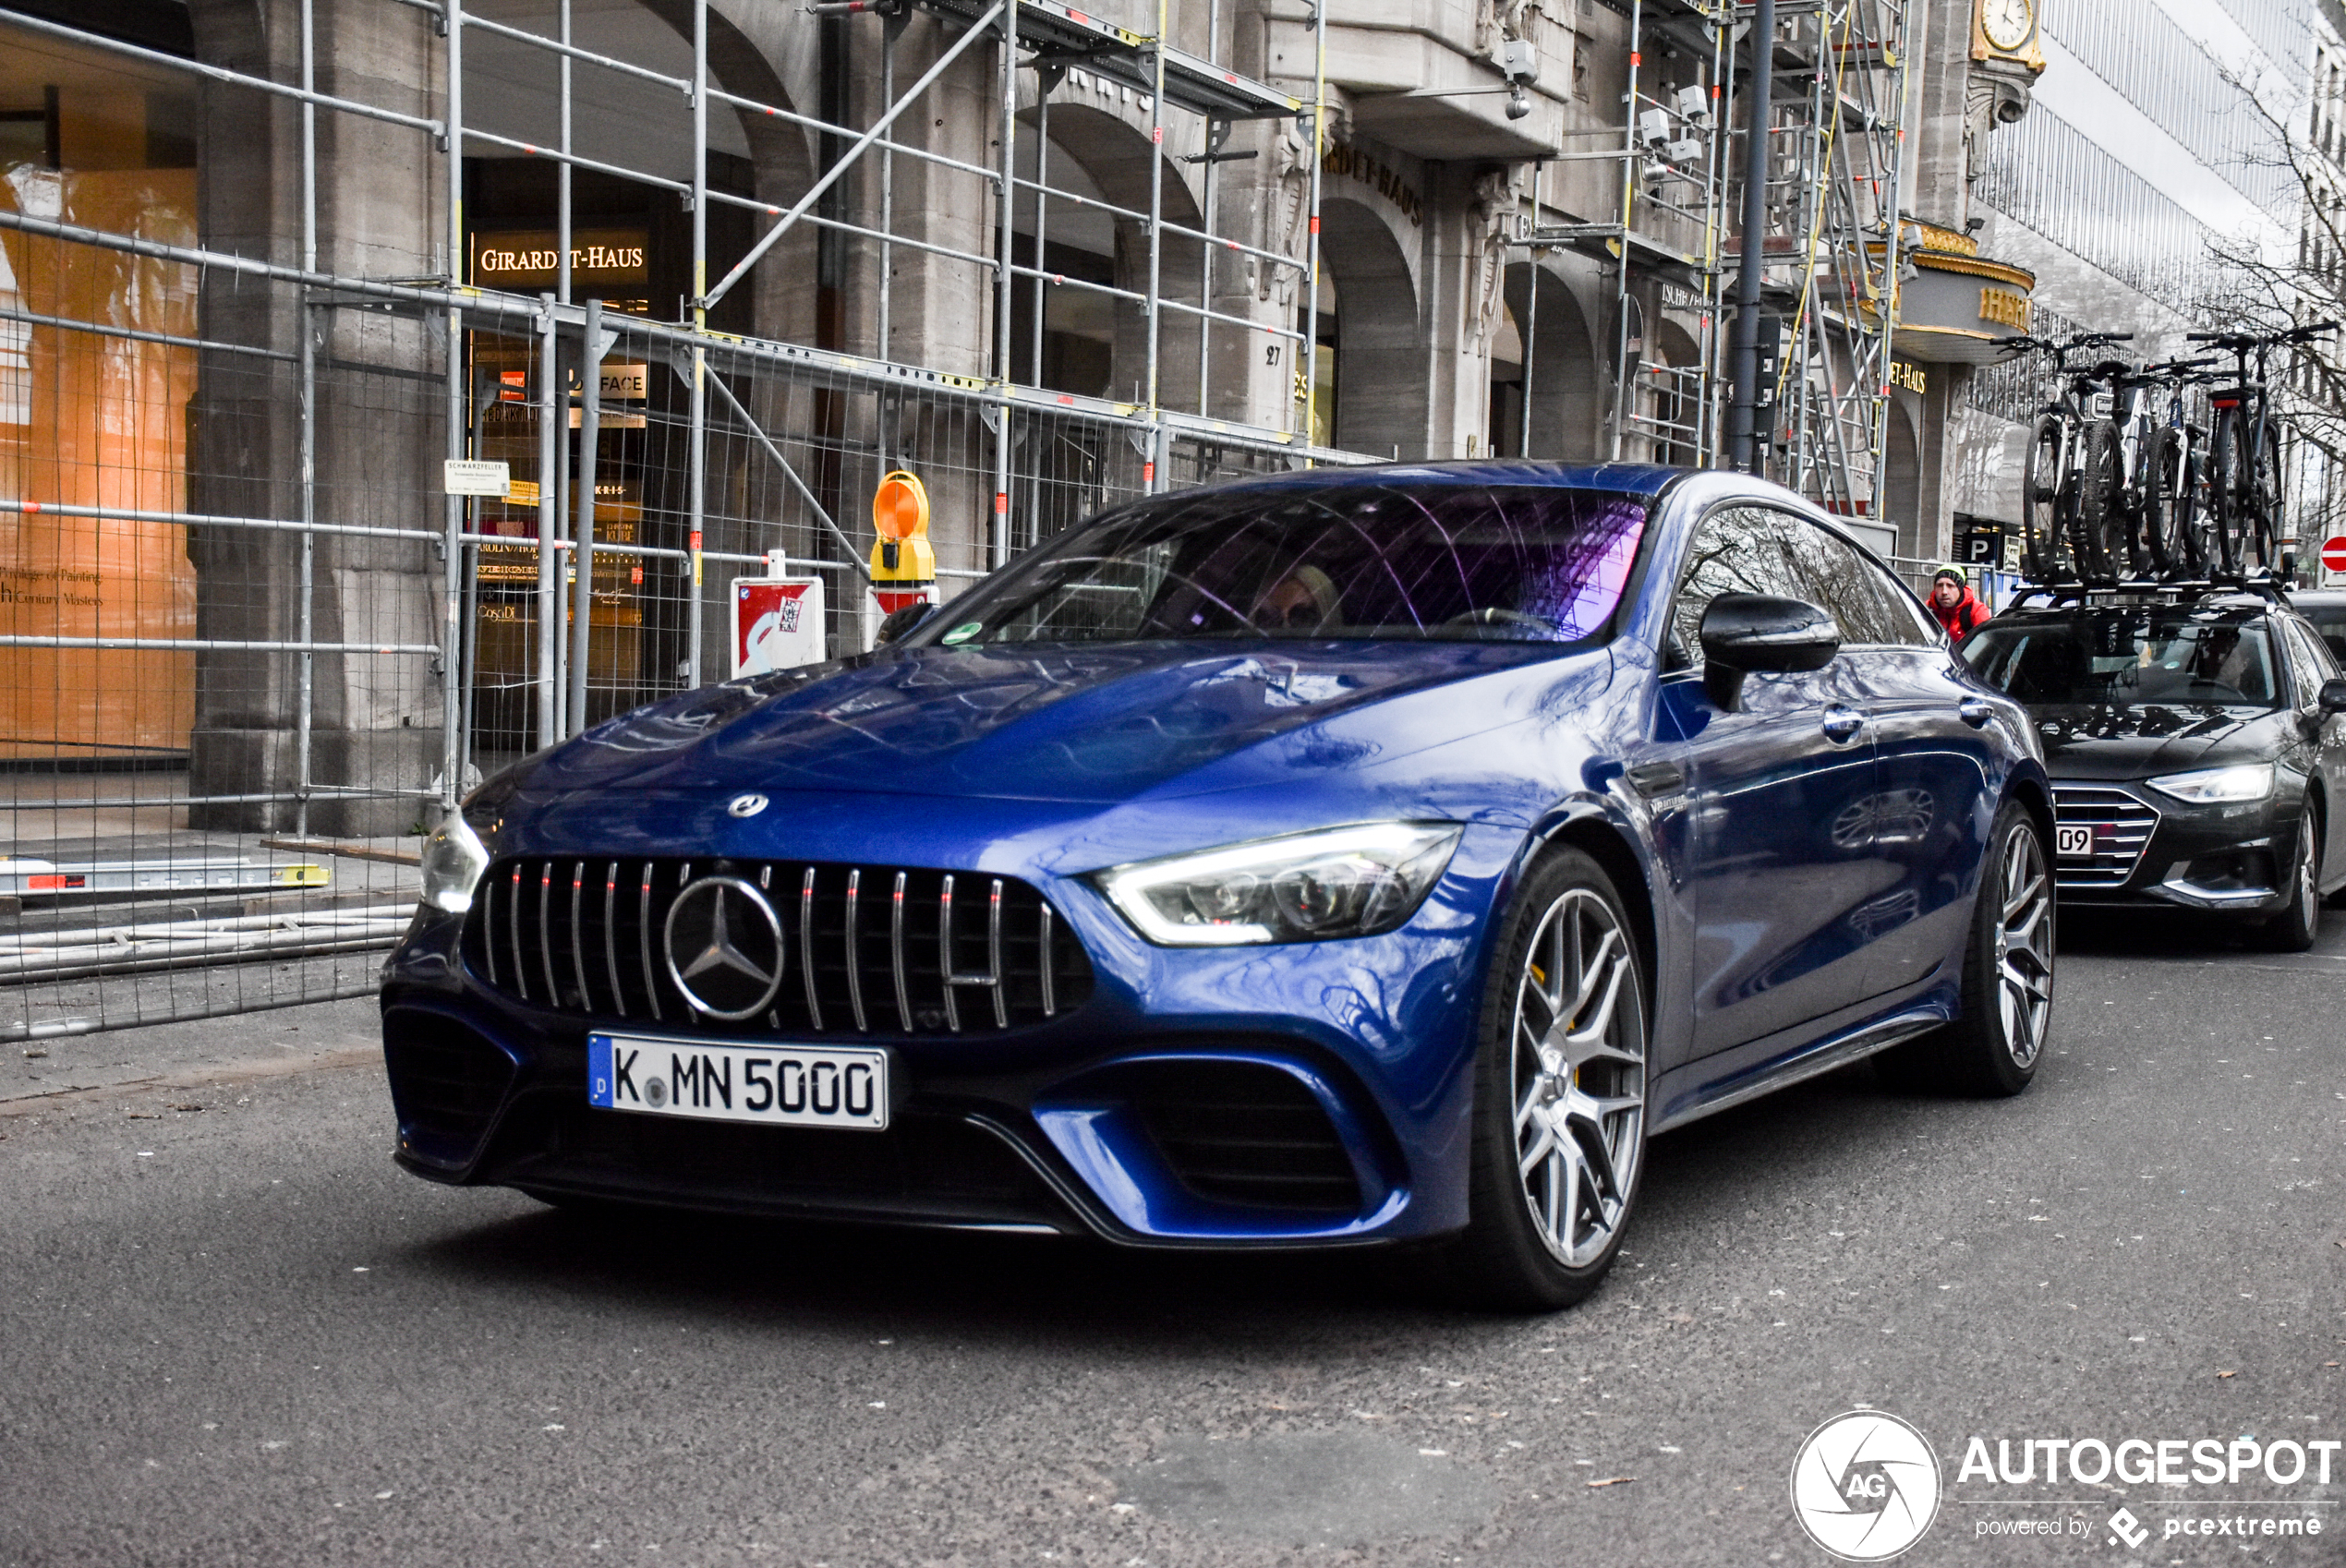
[254,643]
[221,726]
[225,686]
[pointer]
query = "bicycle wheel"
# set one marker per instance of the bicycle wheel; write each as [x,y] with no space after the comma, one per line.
[2041,508]
[2166,504]
[2101,509]
[2266,528]
[2228,492]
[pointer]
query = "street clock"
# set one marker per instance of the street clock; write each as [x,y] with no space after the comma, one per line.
[2007,23]
[2006,30]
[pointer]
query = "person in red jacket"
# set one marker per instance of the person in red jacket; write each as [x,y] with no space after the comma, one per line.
[1957,609]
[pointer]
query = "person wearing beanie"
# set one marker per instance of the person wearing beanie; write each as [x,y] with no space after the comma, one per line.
[1958,610]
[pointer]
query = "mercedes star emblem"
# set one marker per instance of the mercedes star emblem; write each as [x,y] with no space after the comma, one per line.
[724,948]
[746,805]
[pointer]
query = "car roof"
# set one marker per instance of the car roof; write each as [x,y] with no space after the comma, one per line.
[1645,479]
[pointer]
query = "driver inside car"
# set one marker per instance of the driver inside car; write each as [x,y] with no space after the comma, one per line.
[1302,600]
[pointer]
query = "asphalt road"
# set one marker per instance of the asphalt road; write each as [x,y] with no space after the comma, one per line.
[238,1335]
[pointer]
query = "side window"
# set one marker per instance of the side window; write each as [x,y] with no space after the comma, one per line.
[1907,621]
[1831,572]
[2309,664]
[1734,550]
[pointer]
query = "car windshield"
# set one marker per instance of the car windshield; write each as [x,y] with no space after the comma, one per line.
[1382,557]
[2128,658]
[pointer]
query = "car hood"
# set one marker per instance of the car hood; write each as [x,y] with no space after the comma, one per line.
[2136,741]
[1085,724]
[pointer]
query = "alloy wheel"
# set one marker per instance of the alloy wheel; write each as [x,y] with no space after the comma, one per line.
[2025,945]
[2309,896]
[1579,1077]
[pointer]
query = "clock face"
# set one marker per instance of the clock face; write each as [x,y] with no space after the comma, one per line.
[2007,23]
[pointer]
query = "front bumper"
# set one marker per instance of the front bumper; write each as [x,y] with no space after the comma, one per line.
[1310,1094]
[2151,851]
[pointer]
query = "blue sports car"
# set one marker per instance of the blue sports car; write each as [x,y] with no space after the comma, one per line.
[1356,856]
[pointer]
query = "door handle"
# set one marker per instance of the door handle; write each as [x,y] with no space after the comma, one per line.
[1842,724]
[1975,712]
[1652,778]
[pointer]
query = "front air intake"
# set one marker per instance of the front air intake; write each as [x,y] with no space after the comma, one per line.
[447,1080]
[1244,1134]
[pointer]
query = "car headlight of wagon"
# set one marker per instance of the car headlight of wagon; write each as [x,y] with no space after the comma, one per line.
[1305,887]
[454,858]
[2218,786]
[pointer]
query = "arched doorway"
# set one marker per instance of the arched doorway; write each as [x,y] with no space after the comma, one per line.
[1901,488]
[1091,343]
[1382,391]
[1558,366]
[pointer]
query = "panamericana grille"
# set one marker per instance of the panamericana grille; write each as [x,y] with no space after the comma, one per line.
[865,950]
[2122,825]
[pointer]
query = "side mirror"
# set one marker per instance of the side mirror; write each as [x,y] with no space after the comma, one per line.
[901,621]
[1745,633]
[2333,697]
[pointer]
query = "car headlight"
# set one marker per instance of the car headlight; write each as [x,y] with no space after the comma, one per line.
[454,858]
[1306,887]
[2218,786]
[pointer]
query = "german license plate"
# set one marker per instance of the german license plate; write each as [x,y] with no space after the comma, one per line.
[779,1085]
[2074,843]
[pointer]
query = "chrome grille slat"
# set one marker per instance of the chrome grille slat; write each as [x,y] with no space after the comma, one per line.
[1025,956]
[994,955]
[807,948]
[521,971]
[854,960]
[896,955]
[945,951]
[488,926]
[578,952]
[611,937]
[644,934]
[545,934]
[1045,968]
[2130,822]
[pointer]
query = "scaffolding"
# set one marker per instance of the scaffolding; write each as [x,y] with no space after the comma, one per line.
[555,605]
[1841,74]
[374,656]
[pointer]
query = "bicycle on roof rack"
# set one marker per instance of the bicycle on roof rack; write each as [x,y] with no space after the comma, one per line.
[2245,489]
[2071,504]
[2177,519]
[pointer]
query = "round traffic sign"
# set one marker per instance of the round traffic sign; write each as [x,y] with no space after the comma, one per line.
[2334,553]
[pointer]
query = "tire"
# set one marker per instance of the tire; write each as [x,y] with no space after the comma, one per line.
[2227,490]
[1994,1047]
[2295,928]
[2040,501]
[1555,1159]
[2203,550]
[2167,505]
[2266,529]
[2101,507]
